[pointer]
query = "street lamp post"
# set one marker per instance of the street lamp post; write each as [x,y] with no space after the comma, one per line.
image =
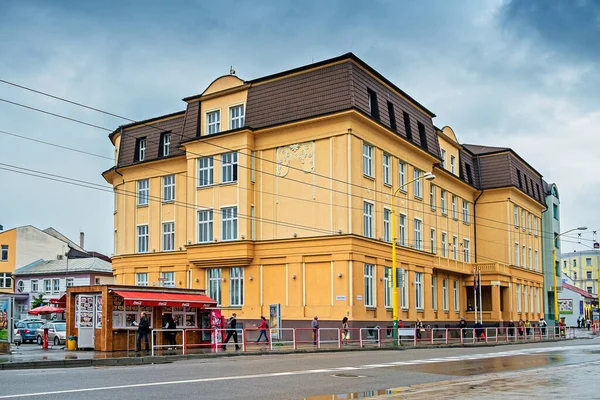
[427,176]
[556,270]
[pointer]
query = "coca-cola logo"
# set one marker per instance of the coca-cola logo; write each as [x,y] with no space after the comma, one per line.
[162,303]
[137,303]
[185,304]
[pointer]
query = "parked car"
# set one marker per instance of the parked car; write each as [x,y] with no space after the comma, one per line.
[25,330]
[57,333]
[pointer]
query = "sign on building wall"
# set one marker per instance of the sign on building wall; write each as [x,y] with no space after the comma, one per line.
[275,320]
[565,306]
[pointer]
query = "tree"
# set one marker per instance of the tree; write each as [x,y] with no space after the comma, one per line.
[38,301]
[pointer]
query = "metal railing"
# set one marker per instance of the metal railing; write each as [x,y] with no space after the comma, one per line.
[155,334]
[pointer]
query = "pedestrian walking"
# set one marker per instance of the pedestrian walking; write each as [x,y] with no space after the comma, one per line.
[420,328]
[231,328]
[169,323]
[345,331]
[543,325]
[521,327]
[143,331]
[511,328]
[579,322]
[463,326]
[263,330]
[528,327]
[588,324]
[315,328]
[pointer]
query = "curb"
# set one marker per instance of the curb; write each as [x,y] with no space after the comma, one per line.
[147,360]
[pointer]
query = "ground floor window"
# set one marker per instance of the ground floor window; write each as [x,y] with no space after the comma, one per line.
[124,316]
[183,316]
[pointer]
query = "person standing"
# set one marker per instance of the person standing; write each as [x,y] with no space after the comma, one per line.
[511,328]
[579,322]
[463,326]
[143,331]
[345,332]
[231,328]
[315,328]
[521,328]
[263,330]
[543,325]
[420,328]
[169,323]
[528,327]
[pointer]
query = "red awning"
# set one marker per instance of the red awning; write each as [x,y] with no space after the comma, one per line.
[165,299]
[62,301]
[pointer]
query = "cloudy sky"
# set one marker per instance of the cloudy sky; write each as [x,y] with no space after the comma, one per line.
[523,74]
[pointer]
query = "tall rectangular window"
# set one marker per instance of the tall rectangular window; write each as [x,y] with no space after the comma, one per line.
[445,294]
[168,188]
[443,158]
[369,297]
[236,117]
[443,200]
[55,286]
[252,222]
[526,302]
[229,167]
[168,279]
[392,116]
[205,226]
[517,258]
[432,241]
[165,144]
[531,298]
[422,135]
[456,297]
[535,226]
[536,260]
[368,160]
[213,122]
[444,244]
[402,230]
[142,238]
[523,219]
[418,183]
[418,237]
[253,166]
[140,154]
[518,297]
[455,247]
[387,232]
[524,256]
[229,223]
[530,264]
[368,219]
[555,211]
[236,286]
[214,284]
[47,286]
[465,209]
[387,159]
[516,215]
[373,106]
[141,279]
[529,223]
[404,288]
[407,127]
[588,262]
[168,241]
[34,286]
[402,175]
[143,190]
[537,299]
[453,164]
[466,250]
[432,196]
[387,287]
[519,179]
[205,171]
[419,290]
[454,207]
[434,293]
[4,253]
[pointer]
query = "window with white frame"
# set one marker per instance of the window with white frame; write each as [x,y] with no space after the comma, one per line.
[169,188]
[455,247]
[70,282]
[368,219]
[404,288]
[168,279]
[531,306]
[143,189]
[236,117]
[517,258]
[418,234]
[443,200]
[55,286]
[168,241]
[253,166]
[229,167]
[34,286]
[368,160]
[229,226]
[419,290]
[213,121]
[418,183]
[166,144]
[444,244]
[432,196]
[236,286]
[141,279]
[142,238]
[518,297]
[536,260]
[432,241]
[369,297]
[537,299]
[523,219]
[588,274]
[529,223]
[47,286]
[535,226]
[516,215]
[141,149]
[205,171]
[252,222]
[402,230]
[445,294]
[387,232]
[443,158]
[524,255]
[588,262]
[526,300]
[387,287]
[434,293]
[453,164]
[4,253]
[465,211]
[387,160]
[214,284]
[530,264]
[454,207]
[466,250]
[205,226]
[402,175]
[456,297]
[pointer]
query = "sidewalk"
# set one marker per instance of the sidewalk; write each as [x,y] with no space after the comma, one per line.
[34,357]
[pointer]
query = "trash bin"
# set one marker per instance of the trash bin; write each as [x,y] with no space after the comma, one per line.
[72,343]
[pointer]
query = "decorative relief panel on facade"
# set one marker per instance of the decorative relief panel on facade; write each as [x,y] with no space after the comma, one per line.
[305,152]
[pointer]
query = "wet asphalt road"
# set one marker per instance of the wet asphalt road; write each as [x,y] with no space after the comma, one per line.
[541,370]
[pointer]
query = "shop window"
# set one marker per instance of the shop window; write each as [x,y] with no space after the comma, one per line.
[184,317]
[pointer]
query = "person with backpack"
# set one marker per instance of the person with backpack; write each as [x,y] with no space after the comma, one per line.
[263,330]
[231,328]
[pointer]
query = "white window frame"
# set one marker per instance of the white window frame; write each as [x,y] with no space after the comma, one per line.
[523,219]
[168,279]
[35,287]
[142,238]
[143,192]
[229,223]
[455,247]
[402,238]
[368,228]
[387,172]
[166,150]
[526,300]
[213,122]
[443,158]
[516,215]
[537,300]
[236,116]
[214,279]
[530,254]
[529,223]
[168,188]
[47,286]
[445,294]
[456,296]
[466,250]
[535,226]
[141,279]
[536,260]
[465,210]
[387,232]
[402,169]
[168,236]
[55,286]
[454,207]
[588,262]
[443,197]
[432,240]
[444,244]
[4,253]
[588,275]
[368,155]
[387,287]
[418,232]
[419,303]
[524,256]
[453,164]
[229,167]
[205,171]
[142,150]
[369,286]
[418,183]
[432,198]
[236,286]
[517,255]
[531,293]
[205,226]
[434,293]
[404,289]
[518,290]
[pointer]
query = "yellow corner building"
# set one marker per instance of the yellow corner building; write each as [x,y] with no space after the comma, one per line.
[278,191]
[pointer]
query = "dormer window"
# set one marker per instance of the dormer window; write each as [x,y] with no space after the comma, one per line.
[422,135]
[236,117]
[453,165]
[407,127]
[443,158]
[165,144]
[213,121]
[140,149]
[373,107]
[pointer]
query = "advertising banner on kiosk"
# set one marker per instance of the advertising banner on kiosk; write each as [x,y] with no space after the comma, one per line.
[275,320]
[216,324]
